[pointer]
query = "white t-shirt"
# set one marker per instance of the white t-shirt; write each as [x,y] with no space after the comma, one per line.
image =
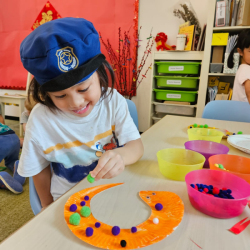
[73,144]
[242,75]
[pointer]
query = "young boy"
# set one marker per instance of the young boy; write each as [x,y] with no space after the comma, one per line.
[9,151]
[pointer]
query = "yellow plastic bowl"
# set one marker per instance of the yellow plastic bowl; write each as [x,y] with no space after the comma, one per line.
[175,163]
[205,134]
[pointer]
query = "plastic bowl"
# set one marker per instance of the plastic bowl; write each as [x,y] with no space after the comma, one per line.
[218,207]
[205,134]
[235,164]
[207,149]
[175,163]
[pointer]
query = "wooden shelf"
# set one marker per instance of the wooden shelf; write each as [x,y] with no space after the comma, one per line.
[178,55]
[231,28]
[220,74]
[180,105]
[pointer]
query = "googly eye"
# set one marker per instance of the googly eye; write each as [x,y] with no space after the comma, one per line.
[153,193]
[148,197]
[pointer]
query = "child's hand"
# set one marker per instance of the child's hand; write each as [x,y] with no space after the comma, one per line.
[110,165]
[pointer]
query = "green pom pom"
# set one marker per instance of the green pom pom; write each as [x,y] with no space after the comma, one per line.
[85,211]
[195,125]
[221,166]
[240,133]
[74,219]
[205,126]
[201,126]
[90,178]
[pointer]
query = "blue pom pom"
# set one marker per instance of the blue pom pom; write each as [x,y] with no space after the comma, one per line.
[198,185]
[97,224]
[200,190]
[133,229]
[89,231]
[115,230]
[211,186]
[82,203]
[229,191]
[73,208]
[192,185]
[86,198]
[216,195]
[201,186]
[158,206]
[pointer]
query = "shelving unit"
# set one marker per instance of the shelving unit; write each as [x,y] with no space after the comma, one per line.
[220,74]
[230,28]
[196,56]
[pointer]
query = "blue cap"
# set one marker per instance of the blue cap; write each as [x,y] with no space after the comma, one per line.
[62,53]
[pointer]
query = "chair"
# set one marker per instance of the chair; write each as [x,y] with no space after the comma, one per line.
[34,198]
[227,111]
[133,112]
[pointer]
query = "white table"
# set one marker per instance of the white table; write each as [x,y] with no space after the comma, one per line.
[15,100]
[121,205]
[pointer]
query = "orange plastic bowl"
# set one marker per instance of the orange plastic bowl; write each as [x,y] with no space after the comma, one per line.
[235,164]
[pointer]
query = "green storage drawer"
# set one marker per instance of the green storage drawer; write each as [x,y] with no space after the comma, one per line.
[173,95]
[178,67]
[177,82]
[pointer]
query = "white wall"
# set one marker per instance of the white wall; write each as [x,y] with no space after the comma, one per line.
[158,14]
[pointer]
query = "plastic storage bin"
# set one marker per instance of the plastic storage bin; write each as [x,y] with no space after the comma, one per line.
[172,95]
[175,163]
[213,206]
[179,67]
[177,82]
[216,67]
[157,117]
[174,109]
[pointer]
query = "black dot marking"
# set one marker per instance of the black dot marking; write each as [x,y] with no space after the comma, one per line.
[153,193]
[148,197]
[123,243]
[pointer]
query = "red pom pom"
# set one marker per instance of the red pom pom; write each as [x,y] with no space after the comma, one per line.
[195,187]
[205,189]
[216,190]
[224,189]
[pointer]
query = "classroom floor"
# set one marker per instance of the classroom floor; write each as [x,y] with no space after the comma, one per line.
[15,210]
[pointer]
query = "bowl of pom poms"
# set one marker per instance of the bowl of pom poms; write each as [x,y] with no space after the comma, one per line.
[234,164]
[217,193]
[175,163]
[207,149]
[205,134]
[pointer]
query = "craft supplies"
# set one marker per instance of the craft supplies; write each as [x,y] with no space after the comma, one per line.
[73,208]
[158,206]
[115,237]
[75,219]
[85,211]
[90,178]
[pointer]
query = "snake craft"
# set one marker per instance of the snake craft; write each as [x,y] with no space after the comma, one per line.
[147,233]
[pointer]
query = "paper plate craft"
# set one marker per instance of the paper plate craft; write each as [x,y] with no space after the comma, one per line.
[226,132]
[167,211]
[241,142]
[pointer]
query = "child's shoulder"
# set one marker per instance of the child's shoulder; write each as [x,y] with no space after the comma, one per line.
[244,67]
[115,98]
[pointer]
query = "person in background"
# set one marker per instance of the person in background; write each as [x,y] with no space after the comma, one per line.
[1,117]
[29,104]
[241,89]
[9,152]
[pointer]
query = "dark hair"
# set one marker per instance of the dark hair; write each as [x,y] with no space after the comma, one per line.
[41,96]
[242,43]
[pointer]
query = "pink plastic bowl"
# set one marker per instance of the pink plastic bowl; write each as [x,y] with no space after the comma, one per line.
[207,149]
[213,206]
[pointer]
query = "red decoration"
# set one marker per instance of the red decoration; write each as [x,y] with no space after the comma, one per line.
[161,40]
[47,14]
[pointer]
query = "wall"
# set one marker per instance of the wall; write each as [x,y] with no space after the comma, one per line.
[158,14]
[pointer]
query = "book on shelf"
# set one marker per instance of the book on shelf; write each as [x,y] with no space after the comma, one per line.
[230,94]
[194,39]
[200,38]
[186,24]
[243,16]
[189,32]
[235,12]
[220,13]
[202,46]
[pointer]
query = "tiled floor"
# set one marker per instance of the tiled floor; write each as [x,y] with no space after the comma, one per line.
[14,125]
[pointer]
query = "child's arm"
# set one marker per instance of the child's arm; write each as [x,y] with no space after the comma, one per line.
[113,162]
[42,183]
[247,89]
[24,127]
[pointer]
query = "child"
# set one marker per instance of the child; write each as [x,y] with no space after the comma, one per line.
[9,151]
[29,105]
[72,125]
[241,89]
